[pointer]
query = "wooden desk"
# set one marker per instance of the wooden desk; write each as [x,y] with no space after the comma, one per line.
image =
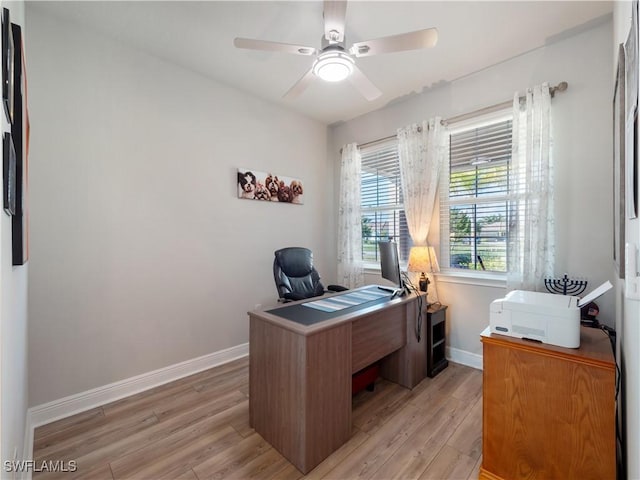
[548,411]
[300,376]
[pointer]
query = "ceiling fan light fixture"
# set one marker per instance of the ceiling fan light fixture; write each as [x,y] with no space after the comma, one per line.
[333,66]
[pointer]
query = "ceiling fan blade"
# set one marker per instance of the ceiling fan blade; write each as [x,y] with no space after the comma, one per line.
[301,85]
[364,85]
[252,44]
[396,43]
[334,18]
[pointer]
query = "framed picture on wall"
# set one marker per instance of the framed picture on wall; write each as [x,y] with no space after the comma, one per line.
[631,116]
[265,186]
[8,174]
[7,65]
[19,221]
[619,146]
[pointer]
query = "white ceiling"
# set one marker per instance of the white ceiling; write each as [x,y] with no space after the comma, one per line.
[199,36]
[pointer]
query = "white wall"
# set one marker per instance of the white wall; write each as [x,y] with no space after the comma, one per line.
[141,254]
[628,320]
[13,322]
[582,131]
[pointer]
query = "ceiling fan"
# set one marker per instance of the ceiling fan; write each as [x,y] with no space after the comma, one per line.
[333,61]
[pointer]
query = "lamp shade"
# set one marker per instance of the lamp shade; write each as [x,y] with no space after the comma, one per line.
[419,260]
[423,259]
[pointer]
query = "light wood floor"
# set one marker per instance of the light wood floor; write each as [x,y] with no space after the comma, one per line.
[197,428]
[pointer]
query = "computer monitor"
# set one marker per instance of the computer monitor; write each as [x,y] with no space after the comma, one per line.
[390,265]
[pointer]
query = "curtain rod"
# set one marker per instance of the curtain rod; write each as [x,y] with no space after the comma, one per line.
[561,87]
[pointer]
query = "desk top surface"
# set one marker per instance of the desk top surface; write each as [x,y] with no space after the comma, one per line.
[301,318]
[316,310]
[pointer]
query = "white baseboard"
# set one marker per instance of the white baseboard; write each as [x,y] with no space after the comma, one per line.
[463,357]
[80,402]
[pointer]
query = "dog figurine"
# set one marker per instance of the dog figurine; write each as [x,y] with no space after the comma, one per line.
[296,192]
[262,193]
[246,184]
[273,185]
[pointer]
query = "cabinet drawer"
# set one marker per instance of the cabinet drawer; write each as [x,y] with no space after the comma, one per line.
[377,336]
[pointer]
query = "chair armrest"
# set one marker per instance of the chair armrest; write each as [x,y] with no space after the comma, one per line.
[294,296]
[336,288]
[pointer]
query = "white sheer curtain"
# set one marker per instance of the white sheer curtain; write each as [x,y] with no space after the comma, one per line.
[421,150]
[350,267]
[421,154]
[531,246]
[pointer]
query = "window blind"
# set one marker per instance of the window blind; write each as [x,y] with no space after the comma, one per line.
[474,193]
[381,200]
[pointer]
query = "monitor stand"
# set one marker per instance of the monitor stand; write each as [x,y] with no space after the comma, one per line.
[396,292]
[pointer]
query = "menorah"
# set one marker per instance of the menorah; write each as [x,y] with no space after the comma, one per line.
[565,286]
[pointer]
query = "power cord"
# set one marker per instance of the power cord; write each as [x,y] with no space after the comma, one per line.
[408,284]
[611,333]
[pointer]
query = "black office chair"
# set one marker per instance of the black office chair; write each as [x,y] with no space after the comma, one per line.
[295,276]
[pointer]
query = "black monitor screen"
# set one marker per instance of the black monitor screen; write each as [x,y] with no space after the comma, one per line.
[389,264]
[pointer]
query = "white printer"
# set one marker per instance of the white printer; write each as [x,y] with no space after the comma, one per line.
[549,318]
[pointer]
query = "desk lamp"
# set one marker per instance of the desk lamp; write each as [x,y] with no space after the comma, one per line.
[423,259]
[419,262]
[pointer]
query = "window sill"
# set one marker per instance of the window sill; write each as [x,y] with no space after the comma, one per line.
[495,280]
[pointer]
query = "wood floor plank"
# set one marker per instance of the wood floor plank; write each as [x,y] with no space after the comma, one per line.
[145,403]
[226,463]
[224,383]
[475,472]
[288,472]
[241,423]
[107,432]
[265,466]
[197,428]
[449,464]
[470,387]
[323,470]
[188,475]
[101,471]
[196,420]
[367,458]
[70,426]
[175,455]
[420,449]
[467,438]
[155,452]
[148,398]
[380,408]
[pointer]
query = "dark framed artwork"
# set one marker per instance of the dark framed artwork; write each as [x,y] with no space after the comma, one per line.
[19,221]
[8,174]
[619,146]
[631,116]
[7,65]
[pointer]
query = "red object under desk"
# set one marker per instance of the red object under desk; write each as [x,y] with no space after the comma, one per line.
[365,377]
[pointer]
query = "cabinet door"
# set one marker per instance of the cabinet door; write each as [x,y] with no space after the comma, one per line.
[545,416]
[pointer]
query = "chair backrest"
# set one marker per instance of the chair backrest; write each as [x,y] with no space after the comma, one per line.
[294,274]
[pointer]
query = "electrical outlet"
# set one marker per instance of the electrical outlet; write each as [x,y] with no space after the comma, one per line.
[257,306]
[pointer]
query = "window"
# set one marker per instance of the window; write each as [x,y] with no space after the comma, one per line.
[381,199]
[474,191]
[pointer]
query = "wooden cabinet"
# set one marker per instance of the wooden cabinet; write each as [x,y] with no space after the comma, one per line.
[436,338]
[548,412]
